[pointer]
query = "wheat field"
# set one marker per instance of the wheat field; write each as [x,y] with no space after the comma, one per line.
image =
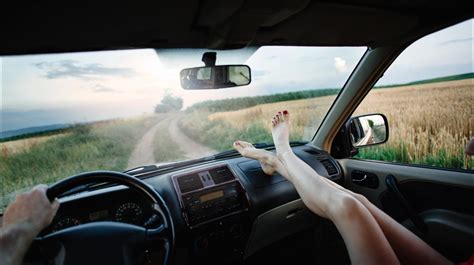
[306,115]
[429,123]
[23,145]
[429,120]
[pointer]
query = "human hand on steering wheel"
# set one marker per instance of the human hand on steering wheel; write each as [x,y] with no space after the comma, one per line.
[97,242]
[23,220]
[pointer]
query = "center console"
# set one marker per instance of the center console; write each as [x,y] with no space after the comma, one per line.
[209,194]
[214,205]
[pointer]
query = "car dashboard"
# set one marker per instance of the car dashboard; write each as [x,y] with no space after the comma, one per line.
[224,211]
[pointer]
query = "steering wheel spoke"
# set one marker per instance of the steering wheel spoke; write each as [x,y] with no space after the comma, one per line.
[158,233]
[107,242]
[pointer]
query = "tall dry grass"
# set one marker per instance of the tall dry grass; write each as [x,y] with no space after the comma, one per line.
[429,124]
[17,146]
[306,115]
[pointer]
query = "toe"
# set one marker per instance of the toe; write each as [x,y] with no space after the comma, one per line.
[281,116]
[286,114]
[237,144]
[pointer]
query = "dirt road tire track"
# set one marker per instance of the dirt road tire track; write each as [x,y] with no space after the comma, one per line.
[143,152]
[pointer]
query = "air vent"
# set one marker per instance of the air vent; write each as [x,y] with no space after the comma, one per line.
[311,151]
[189,183]
[330,167]
[221,175]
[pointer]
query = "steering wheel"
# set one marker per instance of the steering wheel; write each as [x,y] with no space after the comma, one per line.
[109,242]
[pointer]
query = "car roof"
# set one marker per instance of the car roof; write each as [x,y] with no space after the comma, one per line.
[44,26]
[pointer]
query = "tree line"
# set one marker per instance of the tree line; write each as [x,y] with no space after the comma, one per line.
[246,102]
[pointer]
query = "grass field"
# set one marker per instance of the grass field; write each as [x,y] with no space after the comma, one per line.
[253,124]
[84,148]
[429,123]
[23,145]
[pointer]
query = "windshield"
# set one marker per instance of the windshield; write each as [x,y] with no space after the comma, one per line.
[63,114]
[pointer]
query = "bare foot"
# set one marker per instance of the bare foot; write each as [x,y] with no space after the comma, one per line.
[265,157]
[281,132]
[268,160]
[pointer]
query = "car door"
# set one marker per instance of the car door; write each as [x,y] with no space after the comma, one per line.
[421,176]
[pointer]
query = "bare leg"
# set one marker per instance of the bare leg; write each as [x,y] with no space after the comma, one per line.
[362,235]
[408,247]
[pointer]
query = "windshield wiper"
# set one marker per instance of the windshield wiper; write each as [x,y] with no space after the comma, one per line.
[165,167]
[174,166]
[262,145]
[233,152]
[180,164]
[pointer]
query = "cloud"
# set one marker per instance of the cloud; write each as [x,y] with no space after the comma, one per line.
[340,64]
[71,68]
[100,89]
[455,41]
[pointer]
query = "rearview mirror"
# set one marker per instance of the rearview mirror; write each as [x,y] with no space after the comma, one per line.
[213,77]
[368,130]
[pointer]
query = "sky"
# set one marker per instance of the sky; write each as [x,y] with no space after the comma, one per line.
[79,87]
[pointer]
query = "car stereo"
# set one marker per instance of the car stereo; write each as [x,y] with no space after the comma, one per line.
[209,194]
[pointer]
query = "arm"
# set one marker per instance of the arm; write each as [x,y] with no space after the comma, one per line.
[22,221]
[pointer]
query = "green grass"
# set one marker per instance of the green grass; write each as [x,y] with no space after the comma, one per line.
[86,148]
[218,135]
[165,149]
[400,154]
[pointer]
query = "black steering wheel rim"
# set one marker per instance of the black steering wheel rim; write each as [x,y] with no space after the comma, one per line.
[165,232]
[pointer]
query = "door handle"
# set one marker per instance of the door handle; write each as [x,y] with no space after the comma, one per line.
[365,179]
[360,180]
[392,185]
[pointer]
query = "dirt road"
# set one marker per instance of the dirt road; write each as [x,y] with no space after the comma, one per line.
[143,153]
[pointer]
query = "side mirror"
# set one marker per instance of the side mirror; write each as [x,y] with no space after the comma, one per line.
[214,77]
[367,130]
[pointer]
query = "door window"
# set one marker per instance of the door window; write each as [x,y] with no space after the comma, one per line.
[427,96]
